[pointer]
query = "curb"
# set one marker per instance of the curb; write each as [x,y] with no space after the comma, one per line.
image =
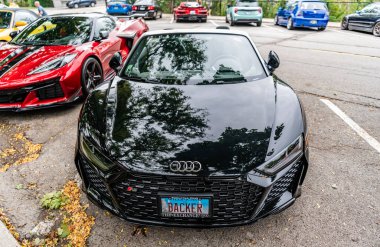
[6,238]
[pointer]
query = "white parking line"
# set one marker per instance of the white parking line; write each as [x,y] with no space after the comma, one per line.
[361,132]
[277,29]
[213,22]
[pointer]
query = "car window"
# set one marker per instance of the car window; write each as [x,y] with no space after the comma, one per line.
[194,59]
[376,10]
[5,19]
[313,5]
[368,8]
[56,31]
[103,24]
[24,16]
[145,2]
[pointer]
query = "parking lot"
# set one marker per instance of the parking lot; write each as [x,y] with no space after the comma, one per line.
[340,202]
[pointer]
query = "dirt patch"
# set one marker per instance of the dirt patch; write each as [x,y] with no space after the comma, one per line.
[16,149]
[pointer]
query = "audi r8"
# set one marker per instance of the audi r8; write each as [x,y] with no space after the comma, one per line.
[303,13]
[366,20]
[245,11]
[190,11]
[195,130]
[14,19]
[57,59]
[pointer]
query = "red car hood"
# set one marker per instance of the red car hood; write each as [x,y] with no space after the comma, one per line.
[17,61]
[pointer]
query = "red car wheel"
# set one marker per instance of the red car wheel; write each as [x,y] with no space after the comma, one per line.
[92,75]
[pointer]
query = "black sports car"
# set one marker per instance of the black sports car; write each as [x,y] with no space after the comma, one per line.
[194,131]
[367,20]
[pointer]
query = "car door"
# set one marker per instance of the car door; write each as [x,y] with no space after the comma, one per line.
[362,19]
[375,16]
[83,3]
[106,48]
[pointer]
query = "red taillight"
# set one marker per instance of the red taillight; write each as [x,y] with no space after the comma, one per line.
[235,10]
[260,10]
[134,7]
[151,8]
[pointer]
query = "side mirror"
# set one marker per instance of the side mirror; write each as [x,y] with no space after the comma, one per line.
[21,23]
[13,34]
[104,34]
[273,61]
[116,61]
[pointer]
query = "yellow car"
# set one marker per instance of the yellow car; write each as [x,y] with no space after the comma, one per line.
[14,19]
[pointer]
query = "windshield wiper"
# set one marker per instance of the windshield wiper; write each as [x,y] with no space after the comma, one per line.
[139,79]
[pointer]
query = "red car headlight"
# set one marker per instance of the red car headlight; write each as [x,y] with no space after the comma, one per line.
[54,64]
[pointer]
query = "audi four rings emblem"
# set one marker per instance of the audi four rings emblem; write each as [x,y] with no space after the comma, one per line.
[185,166]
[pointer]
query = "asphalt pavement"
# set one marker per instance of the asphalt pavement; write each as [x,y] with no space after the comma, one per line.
[340,203]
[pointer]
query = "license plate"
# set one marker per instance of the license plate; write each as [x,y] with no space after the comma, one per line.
[192,12]
[116,7]
[313,22]
[142,8]
[185,207]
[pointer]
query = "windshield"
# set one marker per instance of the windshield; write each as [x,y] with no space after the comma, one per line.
[191,4]
[190,59]
[121,1]
[247,3]
[313,5]
[56,31]
[5,19]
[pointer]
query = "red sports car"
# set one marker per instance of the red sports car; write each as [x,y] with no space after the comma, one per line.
[57,59]
[191,11]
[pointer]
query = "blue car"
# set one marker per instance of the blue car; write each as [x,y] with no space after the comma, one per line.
[119,7]
[303,13]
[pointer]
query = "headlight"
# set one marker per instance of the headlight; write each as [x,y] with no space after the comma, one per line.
[284,158]
[54,64]
[94,155]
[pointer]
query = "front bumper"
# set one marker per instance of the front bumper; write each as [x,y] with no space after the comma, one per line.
[191,17]
[236,201]
[310,22]
[46,94]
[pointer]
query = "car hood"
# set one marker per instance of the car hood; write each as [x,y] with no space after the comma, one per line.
[17,61]
[230,129]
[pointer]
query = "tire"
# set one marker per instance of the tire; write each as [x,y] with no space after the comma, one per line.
[92,4]
[155,16]
[321,28]
[344,24]
[259,23]
[76,6]
[290,26]
[376,30]
[226,19]
[161,15]
[276,20]
[92,75]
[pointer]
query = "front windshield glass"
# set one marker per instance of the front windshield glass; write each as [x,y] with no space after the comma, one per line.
[190,59]
[5,19]
[56,31]
[313,5]
[247,3]
[144,2]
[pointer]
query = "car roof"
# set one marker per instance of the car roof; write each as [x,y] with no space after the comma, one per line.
[190,31]
[88,15]
[15,10]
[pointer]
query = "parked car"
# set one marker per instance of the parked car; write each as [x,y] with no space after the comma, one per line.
[147,9]
[366,20]
[14,19]
[245,11]
[195,130]
[57,59]
[303,13]
[119,7]
[190,11]
[80,3]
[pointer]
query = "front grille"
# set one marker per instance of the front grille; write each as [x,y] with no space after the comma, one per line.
[233,200]
[95,180]
[284,184]
[12,96]
[50,91]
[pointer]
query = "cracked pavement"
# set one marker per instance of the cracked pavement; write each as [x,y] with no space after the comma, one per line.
[340,204]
